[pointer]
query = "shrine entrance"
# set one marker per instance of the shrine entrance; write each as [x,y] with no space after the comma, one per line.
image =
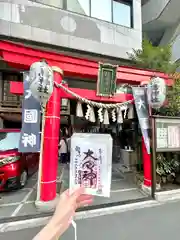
[127,167]
[124,187]
[126,157]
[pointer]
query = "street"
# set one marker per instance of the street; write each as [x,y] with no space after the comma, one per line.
[158,222]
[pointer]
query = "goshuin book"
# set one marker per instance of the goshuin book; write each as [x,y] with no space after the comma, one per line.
[91,163]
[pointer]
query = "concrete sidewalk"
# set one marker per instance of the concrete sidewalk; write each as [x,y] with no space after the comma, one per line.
[158,222]
[20,204]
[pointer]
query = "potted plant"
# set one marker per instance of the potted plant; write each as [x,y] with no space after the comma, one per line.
[167,168]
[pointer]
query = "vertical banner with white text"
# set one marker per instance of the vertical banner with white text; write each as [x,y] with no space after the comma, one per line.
[30,131]
[141,104]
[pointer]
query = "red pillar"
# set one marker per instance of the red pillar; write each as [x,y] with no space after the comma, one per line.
[146,157]
[147,165]
[51,140]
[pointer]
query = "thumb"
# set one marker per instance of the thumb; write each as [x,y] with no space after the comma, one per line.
[77,192]
[65,194]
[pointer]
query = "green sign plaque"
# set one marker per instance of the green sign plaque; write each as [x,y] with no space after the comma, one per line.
[106,84]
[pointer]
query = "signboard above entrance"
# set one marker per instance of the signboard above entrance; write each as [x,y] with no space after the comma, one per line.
[167,134]
[106,84]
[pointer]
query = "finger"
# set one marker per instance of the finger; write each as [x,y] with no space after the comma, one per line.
[84,203]
[84,200]
[84,197]
[77,193]
[69,192]
[65,194]
[70,220]
[74,197]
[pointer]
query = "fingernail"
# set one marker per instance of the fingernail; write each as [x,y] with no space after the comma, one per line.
[70,220]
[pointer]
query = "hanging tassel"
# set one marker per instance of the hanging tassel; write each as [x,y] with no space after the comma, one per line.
[92,115]
[131,112]
[106,117]
[125,112]
[113,113]
[100,115]
[119,116]
[88,112]
[79,111]
[124,108]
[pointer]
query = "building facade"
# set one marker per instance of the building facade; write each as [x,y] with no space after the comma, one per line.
[161,23]
[103,30]
[72,35]
[103,27]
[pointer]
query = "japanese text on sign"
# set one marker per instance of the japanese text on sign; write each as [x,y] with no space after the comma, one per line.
[167,134]
[29,139]
[30,115]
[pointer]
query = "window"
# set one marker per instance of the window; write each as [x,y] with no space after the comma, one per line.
[53,3]
[101,9]
[116,11]
[9,140]
[122,13]
[79,6]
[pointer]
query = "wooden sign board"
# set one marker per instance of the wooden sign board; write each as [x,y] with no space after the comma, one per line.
[167,134]
[106,84]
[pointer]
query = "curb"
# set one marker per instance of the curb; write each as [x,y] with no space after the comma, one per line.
[91,207]
[41,221]
[167,195]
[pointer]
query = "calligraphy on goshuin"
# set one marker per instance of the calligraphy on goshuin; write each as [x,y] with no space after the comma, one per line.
[88,170]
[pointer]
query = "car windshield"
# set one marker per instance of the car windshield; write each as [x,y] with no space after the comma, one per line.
[9,140]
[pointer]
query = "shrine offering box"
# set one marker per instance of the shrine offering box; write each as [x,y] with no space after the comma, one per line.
[91,163]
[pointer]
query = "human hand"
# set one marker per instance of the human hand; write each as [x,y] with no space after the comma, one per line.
[65,211]
[66,207]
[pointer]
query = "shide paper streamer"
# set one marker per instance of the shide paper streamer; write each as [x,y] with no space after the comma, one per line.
[91,164]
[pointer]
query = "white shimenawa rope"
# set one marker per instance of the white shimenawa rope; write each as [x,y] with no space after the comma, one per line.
[92,103]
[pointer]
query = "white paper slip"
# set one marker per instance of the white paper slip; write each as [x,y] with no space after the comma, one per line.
[91,163]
